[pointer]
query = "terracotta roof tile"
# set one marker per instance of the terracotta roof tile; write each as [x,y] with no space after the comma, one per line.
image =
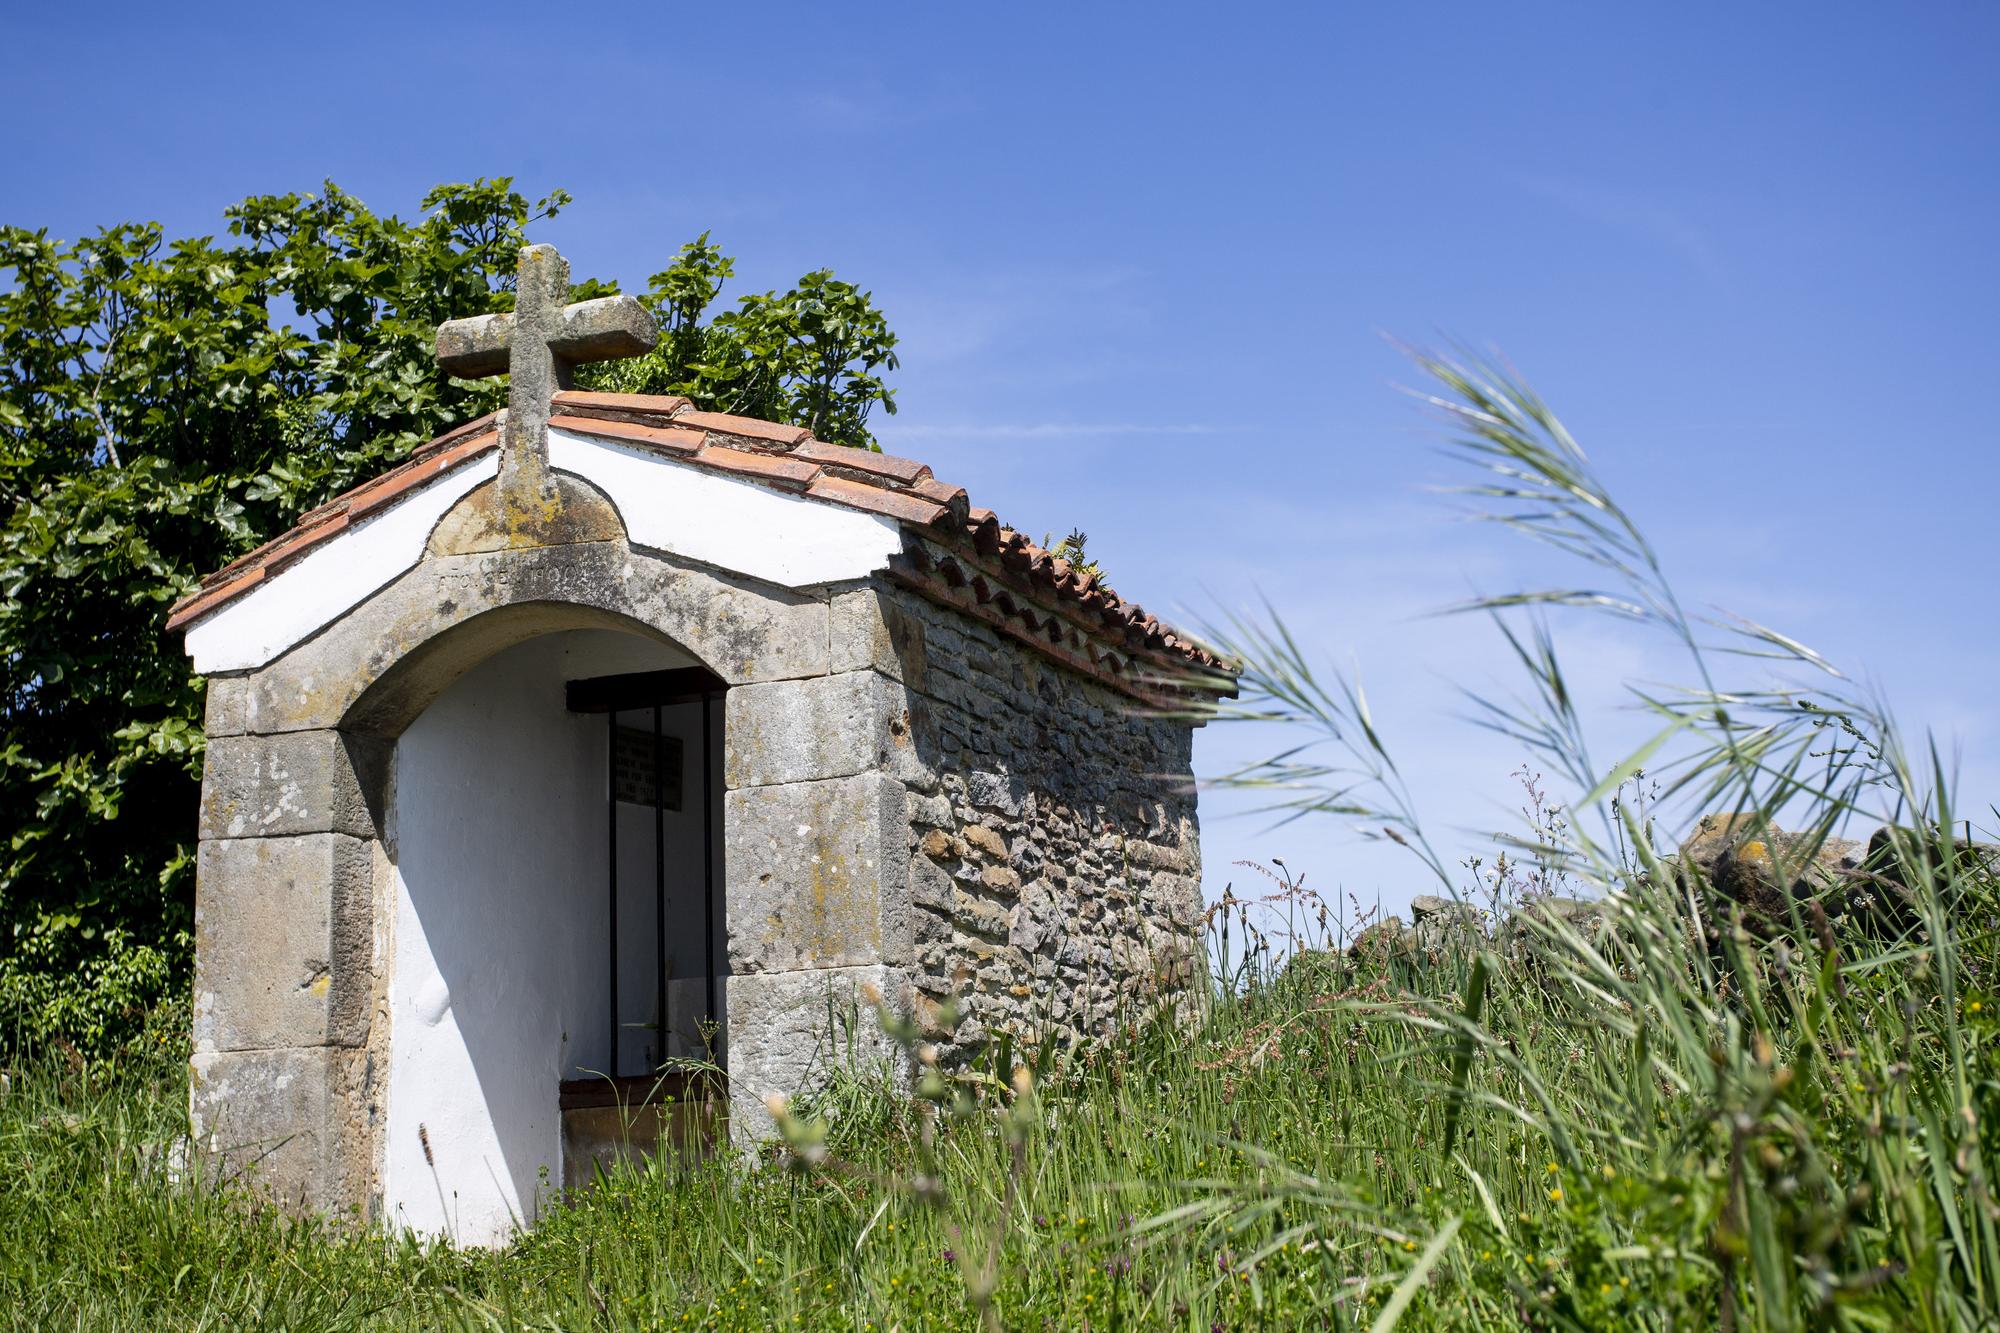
[957,554]
[190,609]
[768,467]
[895,504]
[392,486]
[621,402]
[750,428]
[849,459]
[944,493]
[669,439]
[330,519]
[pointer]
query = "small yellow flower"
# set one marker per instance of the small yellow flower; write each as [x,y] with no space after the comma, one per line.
[1553,1168]
[1972,1008]
[1608,1171]
[1555,1196]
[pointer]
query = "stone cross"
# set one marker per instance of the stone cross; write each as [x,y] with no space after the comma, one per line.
[538,346]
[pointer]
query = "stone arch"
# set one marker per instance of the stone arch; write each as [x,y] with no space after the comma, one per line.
[296,878]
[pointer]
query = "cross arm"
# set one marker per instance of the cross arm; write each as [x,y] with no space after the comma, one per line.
[475,348]
[605,329]
[599,330]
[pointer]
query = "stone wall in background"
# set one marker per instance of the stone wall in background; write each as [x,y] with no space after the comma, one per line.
[1055,877]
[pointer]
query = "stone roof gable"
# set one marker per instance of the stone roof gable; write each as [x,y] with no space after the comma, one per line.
[954,553]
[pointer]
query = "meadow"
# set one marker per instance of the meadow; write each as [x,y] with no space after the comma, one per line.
[1689,1106]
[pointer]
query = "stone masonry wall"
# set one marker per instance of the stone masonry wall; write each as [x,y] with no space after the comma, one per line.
[1055,869]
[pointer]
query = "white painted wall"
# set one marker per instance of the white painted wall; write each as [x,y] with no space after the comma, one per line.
[498,988]
[688,511]
[279,612]
[727,522]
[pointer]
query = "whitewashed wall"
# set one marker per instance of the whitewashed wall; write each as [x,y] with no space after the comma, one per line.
[498,989]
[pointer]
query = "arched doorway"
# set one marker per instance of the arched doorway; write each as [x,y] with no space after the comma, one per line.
[556,936]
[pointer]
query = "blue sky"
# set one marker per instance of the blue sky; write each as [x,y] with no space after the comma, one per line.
[1142,259]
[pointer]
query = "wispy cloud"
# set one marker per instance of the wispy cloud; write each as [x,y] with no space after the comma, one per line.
[1632,211]
[1047,430]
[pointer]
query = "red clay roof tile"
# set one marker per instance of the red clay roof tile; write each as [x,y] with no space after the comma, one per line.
[621,402]
[769,467]
[944,493]
[190,609]
[670,439]
[392,486]
[895,504]
[750,428]
[850,459]
[966,558]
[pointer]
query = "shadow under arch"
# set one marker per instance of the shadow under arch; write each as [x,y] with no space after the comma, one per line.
[399,695]
[491,798]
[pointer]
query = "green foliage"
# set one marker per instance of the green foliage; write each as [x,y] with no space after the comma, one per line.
[166,406]
[1073,548]
[1675,1117]
[1285,1163]
[813,356]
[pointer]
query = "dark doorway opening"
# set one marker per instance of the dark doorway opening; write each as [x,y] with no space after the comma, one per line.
[665,952]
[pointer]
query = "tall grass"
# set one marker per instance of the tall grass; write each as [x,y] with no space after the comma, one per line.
[1676,1111]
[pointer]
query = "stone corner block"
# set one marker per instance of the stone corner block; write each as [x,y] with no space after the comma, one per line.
[825,727]
[226,705]
[818,874]
[745,631]
[291,782]
[280,1121]
[873,629]
[283,943]
[789,1030]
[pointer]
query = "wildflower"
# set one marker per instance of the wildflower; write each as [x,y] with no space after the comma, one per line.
[1555,1196]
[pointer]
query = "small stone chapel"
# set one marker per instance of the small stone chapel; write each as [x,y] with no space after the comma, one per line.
[569,783]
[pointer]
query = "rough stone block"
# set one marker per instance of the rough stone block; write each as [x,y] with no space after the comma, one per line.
[294,782]
[876,630]
[281,1120]
[378,667]
[788,1030]
[282,942]
[827,727]
[818,874]
[226,707]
